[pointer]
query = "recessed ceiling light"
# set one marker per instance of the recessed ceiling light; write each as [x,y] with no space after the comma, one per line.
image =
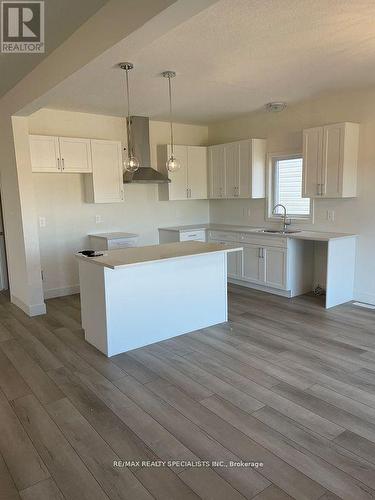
[275,107]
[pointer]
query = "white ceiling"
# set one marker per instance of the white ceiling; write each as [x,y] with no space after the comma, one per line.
[62,18]
[234,57]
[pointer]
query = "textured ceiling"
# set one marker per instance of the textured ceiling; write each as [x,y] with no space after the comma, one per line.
[233,57]
[62,18]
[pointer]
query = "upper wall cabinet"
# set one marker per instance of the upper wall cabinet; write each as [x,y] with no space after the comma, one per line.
[60,154]
[330,155]
[105,185]
[237,169]
[190,181]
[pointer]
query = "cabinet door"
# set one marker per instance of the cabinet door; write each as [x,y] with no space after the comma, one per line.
[312,162]
[75,155]
[44,151]
[217,171]
[232,157]
[253,263]
[333,157]
[234,263]
[106,179]
[197,172]
[245,170]
[275,260]
[178,184]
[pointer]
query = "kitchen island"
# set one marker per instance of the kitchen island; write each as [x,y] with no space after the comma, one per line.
[137,296]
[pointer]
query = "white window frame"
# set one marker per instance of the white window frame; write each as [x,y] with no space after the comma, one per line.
[270,177]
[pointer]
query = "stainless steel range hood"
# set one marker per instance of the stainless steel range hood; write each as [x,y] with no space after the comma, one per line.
[140,140]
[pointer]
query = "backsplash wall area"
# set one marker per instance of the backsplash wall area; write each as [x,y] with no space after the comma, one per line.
[69,219]
[284,135]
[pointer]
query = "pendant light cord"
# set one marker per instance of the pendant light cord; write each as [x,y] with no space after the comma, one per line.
[128,125]
[170,114]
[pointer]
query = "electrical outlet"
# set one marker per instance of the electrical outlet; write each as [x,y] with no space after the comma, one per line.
[98,219]
[331,215]
[42,222]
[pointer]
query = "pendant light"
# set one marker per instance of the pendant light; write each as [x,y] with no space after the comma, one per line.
[173,163]
[131,163]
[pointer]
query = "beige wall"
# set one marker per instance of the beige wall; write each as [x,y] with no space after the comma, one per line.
[284,134]
[59,197]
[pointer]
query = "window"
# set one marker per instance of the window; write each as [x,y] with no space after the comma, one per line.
[286,187]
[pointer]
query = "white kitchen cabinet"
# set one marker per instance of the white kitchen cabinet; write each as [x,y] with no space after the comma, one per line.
[175,235]
[45,154]
[275,267]
[60,154]
[330,156]
[190,180]
[253,264]
[197,172]
[75,154]
[216,171]
[237,169]
[105,184]
[265,265]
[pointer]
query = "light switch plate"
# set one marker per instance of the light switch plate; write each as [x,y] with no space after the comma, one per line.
[98,219]
[42,221]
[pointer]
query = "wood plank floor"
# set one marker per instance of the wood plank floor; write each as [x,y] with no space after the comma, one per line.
[284,384]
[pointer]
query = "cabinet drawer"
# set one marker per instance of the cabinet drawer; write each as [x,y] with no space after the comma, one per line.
[223,236]
[199,235]
[122,243]
[264,241]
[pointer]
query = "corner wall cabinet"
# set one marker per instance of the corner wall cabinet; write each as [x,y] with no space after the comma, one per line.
[190,181]
[105,184]
[60,154]
[330,155]
[237,169]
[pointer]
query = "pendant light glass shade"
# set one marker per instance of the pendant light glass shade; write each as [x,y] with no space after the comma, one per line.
[131,162]
[172,163]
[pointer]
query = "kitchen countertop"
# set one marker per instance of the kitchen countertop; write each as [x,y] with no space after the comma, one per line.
[302,235]
[115,259]
[115,235]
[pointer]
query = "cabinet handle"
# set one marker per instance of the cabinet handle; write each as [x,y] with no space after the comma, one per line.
[63,163]
[58,164]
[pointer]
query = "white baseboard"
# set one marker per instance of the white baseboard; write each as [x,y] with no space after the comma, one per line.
[261,288]
[368,298]
[30,310]
[61,292]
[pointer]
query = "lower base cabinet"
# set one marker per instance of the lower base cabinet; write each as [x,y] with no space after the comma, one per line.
[263,262]
[265,265]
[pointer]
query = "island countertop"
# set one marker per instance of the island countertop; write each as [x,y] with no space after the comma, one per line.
[115,259]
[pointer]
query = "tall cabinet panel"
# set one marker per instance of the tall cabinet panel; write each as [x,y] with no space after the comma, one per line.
[216,171]
[197,172]
[178,184]
[312,158]
[232,170]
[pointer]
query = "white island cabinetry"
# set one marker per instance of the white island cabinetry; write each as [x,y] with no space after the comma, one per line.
[137,296]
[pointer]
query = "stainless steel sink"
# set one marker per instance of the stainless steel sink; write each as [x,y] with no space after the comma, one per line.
[279,231]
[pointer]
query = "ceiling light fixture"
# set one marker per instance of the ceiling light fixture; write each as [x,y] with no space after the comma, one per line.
[173,163]
[275,107]
[131,163]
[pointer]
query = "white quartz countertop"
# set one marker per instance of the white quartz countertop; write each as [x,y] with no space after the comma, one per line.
[115,259]
[114,236]
[302,235]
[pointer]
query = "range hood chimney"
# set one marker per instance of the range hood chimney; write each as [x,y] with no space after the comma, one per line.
[140,140]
